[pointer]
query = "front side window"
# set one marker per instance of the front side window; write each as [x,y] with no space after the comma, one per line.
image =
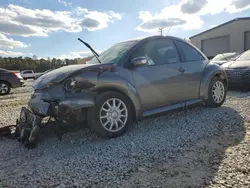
[114,53]
[157,52]
[188,53]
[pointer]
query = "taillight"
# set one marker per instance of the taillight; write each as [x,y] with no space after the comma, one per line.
[17,74]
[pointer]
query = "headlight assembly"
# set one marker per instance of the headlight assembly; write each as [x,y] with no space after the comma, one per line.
[70,84]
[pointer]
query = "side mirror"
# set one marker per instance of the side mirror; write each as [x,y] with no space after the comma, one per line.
[139,61]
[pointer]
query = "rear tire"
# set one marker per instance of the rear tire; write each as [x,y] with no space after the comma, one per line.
[111,115]
[4,88]
[217,92]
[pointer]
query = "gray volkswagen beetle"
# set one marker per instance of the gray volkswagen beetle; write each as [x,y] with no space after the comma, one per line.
[127,82]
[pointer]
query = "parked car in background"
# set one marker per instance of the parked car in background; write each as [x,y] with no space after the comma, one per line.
[40,74]
[29,74]
[129,81]
[223,58]
[9,79]
[238,71]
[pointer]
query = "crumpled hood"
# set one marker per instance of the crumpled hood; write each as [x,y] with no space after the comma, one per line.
[236,65]
[64,72]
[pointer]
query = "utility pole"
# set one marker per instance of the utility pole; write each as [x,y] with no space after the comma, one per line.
[160,30]
[48,59]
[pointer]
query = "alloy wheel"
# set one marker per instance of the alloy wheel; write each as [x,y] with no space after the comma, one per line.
[113,115]
[218,91]
[4,88]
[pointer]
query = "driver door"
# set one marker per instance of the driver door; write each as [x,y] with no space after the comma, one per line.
[159,82]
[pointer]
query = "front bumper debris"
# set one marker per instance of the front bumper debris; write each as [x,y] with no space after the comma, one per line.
[9,131]
[29,123]
[28,127]
[65,109]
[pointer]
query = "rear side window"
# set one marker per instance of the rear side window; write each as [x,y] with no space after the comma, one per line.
[188,53]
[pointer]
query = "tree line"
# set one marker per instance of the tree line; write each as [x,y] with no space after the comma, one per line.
[38,65]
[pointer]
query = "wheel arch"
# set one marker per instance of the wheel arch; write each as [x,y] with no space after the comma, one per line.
[131,96]
[211,71]
[222,76]
[6,82]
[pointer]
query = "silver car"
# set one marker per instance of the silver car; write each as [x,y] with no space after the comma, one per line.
[129,81]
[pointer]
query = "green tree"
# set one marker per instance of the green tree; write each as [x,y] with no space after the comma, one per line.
[38,65]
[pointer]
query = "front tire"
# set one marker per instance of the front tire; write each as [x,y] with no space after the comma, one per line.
[217,92]
[111,115]
[4,88]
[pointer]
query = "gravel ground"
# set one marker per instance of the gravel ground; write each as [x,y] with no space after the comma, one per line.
[200,147]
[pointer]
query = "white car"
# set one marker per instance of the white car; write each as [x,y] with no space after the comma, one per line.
[29,74]
[223,58]
[37,75]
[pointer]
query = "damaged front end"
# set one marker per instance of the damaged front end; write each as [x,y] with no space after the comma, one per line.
[64,95]
[65,100]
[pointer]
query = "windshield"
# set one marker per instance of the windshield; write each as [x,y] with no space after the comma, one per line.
[244,57]
[113,54]
[223,57]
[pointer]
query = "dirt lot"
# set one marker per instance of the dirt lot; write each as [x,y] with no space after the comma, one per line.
[200,147]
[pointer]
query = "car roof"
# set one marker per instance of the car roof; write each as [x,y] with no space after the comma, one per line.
[153,37]
[4,69]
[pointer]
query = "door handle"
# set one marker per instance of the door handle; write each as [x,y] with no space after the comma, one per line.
[181,69]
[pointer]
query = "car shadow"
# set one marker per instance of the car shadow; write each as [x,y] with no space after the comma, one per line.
[197,165]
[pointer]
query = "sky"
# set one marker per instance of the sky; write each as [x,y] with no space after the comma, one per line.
[50,28]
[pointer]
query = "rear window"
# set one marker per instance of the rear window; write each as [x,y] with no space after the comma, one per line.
[187,52]
[27,72]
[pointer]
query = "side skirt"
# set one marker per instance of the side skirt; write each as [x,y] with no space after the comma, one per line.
[170,107]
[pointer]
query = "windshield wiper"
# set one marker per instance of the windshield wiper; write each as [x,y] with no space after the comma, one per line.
[91,49]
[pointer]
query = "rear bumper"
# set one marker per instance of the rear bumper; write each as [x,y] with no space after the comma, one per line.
[17,83]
